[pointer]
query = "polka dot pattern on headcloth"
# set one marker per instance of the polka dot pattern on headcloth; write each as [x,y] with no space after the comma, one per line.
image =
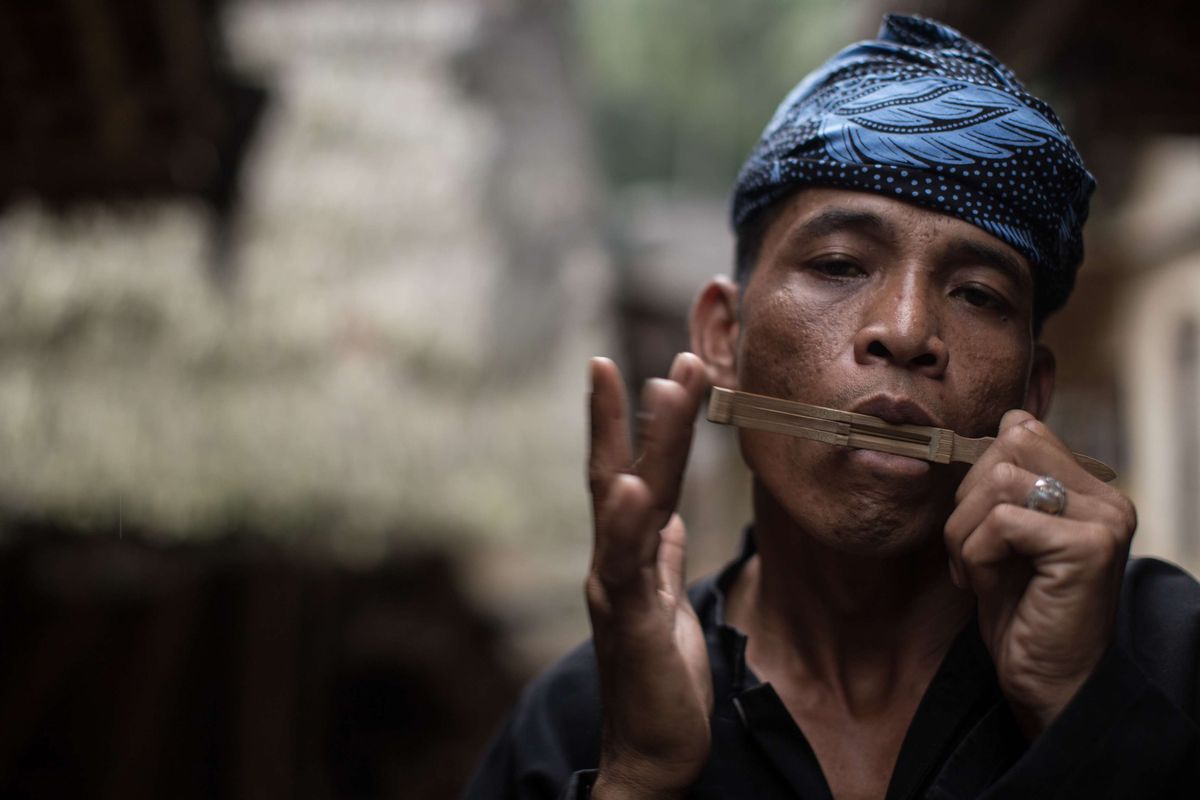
[925,115]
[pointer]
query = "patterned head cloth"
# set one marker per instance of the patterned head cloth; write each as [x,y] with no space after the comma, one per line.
[925,115]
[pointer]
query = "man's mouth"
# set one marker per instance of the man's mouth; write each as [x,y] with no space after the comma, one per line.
[896,410]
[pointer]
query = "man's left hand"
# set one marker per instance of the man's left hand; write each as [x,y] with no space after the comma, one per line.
[1047,585]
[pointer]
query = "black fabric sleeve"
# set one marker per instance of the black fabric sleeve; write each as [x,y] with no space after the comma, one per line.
[1120,736]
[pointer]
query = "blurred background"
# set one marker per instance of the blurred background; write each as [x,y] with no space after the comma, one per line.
[296,300]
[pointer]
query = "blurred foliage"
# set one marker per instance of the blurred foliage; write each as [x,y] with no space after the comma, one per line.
[680,90]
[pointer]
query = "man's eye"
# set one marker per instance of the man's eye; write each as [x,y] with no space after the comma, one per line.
[981,298]
[837,268]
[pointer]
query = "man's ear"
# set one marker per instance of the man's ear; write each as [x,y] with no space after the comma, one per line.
[714,329]
[1041,382]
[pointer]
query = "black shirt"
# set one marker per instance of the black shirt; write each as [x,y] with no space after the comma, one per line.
[1131,730]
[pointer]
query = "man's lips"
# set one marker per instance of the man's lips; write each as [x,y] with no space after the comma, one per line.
[896,410]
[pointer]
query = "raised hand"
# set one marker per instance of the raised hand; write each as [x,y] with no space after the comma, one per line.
[654,673]
[1047,585]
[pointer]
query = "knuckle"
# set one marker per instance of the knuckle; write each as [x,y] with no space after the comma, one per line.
[970,555]
[964,488]
[1119,515]
[1112,518]
[1010,435]
[600,479]
[1003,474]
[1127,515]
[595,593]
[1102,545]
[604,581]
[1035,427]
[953,532]
[1019,438]
[1000,515]
[1013,418]
[595,478]
[1010,443]
[973,550]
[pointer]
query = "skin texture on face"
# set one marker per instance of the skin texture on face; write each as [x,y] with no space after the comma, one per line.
[863,303]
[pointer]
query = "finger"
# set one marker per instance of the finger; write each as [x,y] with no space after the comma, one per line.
[1031,445]
[1047,543]
[665,426]
[1005,483]
[625,550]
[672,558]
[1045,452]
[609,451]
[1059,462]
[992,456]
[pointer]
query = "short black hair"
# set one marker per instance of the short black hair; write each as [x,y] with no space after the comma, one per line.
[749,238]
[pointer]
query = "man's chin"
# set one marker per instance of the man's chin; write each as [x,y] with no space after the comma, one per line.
[880,538]
[885,479]
[888,466]
[874,504]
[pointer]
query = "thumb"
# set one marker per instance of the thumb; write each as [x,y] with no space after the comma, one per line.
[672,557]
[1013,418]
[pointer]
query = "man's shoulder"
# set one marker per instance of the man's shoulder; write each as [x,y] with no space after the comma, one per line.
[1161,590]
[552,732]
[556,721]
[1159,625]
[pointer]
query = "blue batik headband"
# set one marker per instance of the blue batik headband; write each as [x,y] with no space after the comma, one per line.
[925,115]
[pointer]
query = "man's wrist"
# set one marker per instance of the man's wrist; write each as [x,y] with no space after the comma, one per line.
[1034,717]
[623,782]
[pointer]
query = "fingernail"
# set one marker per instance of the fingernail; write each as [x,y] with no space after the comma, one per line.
[679,368]
[954,575]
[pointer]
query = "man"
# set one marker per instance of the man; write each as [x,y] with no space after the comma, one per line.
[893,628]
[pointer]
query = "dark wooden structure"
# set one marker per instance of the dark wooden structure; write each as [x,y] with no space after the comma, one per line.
[120,99]
[237,668]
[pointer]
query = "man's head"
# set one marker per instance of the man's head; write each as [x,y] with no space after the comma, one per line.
[926,116]
[901,304]
[869,304]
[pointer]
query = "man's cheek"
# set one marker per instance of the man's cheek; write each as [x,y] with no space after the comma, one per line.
[983,403]
[784,463]
[789,360]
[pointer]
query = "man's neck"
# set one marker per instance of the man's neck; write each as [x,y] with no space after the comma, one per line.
[863,632]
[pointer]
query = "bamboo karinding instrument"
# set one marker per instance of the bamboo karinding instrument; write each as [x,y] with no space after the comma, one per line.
[863,431]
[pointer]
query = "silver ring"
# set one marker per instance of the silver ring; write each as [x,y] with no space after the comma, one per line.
[1048,496]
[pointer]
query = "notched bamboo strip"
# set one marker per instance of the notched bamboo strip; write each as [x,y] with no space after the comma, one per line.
[863,431]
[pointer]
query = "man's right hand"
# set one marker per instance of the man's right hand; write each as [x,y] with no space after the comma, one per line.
[655,680]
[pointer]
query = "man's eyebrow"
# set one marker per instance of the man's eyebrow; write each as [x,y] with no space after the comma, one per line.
[835,220]
[994,257]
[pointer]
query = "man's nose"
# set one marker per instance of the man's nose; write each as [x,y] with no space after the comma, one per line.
[901,327]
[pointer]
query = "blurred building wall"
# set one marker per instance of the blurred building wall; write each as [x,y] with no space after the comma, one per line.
[399,355]
[1159,347]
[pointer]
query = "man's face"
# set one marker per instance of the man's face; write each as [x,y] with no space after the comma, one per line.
[868,304]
